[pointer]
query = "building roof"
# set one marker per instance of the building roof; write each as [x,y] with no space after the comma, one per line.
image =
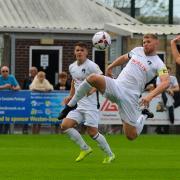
[132,29]
[58,16]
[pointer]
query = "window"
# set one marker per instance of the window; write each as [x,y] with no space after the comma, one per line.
[99,57]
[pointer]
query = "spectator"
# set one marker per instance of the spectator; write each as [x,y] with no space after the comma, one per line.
[168,95]
[40,83]
[63,84]
[7,82]
[32,73]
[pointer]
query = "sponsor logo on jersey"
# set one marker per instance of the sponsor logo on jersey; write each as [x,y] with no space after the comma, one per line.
[140,64]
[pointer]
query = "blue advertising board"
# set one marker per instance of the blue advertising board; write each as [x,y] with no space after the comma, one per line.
[30,106]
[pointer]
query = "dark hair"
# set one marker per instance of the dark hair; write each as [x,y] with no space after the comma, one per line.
[82,44]
[63,75]
[149,35]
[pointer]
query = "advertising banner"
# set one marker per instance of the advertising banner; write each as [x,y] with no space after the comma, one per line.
[30,106]
[110,114]
[43,107]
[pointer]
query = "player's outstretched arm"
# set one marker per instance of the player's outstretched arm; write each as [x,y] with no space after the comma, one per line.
[165,80]
[175,52]
[117,62]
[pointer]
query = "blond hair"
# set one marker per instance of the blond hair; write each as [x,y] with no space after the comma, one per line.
[150,35]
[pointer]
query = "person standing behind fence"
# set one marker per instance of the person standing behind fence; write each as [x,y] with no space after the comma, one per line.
[40,83]
[7,82]
[32,73]
[63,84]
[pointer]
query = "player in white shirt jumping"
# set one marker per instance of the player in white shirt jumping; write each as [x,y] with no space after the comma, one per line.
[87,108]
[142,65]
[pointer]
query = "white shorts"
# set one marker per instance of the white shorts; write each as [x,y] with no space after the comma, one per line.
[126,99]
[170,100]
[88,117]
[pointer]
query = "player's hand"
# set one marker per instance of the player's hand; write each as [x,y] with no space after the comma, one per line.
[8,86]
[176,39]
[66,100]
[144,101]
[13,88]
[109,72]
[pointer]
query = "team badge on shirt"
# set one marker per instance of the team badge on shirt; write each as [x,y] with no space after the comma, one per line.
[83,70]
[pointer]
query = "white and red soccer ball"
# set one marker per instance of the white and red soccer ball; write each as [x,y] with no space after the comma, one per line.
[101,40]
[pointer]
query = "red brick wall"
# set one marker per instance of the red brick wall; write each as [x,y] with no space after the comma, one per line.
[22,55]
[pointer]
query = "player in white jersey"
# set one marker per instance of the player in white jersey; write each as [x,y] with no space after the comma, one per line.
[142,66]
[87,108]
[167,96]
[174,49]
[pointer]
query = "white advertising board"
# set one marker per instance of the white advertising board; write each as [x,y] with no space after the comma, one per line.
[110,113]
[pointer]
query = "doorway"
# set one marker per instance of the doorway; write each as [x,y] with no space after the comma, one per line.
[47,59]
[99,59]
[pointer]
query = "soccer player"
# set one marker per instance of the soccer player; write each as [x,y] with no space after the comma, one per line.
[142,65]
[174,49]
[87,108]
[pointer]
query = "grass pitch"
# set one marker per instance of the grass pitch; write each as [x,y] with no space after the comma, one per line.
[51,157]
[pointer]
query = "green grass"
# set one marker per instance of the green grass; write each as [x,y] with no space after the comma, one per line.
[46,157]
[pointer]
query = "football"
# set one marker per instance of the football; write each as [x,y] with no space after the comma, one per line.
[101,40]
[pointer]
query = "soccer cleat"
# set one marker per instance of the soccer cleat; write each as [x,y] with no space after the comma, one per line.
[83,154]
[65,111]
[108,159]
[148,113]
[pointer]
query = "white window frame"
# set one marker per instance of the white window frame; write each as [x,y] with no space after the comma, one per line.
[59,48]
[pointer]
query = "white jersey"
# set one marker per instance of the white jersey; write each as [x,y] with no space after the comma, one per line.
[79,74]
[140,70]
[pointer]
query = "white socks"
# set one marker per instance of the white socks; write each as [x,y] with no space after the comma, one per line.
[140,123]
[99,138]
[82,90]
[103,144]
[77,138]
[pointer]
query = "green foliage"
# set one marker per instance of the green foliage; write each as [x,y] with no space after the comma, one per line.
[51,157]
[153,19]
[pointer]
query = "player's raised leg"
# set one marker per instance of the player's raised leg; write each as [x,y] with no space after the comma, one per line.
[93,80]
[132,132]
